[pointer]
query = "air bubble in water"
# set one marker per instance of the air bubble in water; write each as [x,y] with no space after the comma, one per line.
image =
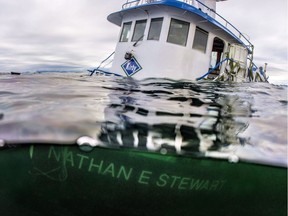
[233,159]
[2,143]
[163,151]
[86,143]
[85,140]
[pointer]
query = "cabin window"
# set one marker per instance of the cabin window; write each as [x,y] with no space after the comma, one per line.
[125,32]
[200,40]
[155,29]
[139,30]
[178,32]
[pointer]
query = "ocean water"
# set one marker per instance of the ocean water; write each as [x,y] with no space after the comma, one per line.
[231,121]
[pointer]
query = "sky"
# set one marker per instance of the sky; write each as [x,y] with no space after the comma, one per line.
[73,35]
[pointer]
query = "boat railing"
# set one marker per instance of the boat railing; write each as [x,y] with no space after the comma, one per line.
[206,10]
[214,68]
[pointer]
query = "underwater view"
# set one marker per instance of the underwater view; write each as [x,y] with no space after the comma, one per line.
[155,140]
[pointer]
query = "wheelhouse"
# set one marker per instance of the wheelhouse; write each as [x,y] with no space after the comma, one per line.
[179,39]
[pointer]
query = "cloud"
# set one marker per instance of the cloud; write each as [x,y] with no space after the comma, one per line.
[42,33]
[37,34]
[266,25]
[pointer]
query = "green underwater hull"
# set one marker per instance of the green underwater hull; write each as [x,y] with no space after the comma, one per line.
[67,181]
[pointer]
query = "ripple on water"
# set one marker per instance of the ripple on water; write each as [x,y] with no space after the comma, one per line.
[223,120]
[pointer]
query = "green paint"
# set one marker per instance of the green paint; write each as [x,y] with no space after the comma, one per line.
[191,184]
[53,152]
[93,165]
[82,158]
[110,170]
[174,180]
[186,183]
[121,172]
[144,177]
[162,180]
[31,151]
[68,157]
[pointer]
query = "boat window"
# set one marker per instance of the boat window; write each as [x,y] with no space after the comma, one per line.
[178,32]
[200,39]
[155,29]
[139,30]
[125,32]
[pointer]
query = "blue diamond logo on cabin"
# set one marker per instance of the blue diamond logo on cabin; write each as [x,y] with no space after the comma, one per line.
[131,67]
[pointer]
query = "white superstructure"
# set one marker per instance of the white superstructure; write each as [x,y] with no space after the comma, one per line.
[179,39]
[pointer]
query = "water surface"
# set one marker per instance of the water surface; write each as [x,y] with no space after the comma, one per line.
[233,121]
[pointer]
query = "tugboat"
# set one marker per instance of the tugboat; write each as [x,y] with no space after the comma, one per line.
[180,39]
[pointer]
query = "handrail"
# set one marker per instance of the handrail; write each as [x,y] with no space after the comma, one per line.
[211,70]
[256,67]
[130,2]
[226,24]
[229,59]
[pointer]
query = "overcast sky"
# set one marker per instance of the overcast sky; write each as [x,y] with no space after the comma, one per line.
[75,34]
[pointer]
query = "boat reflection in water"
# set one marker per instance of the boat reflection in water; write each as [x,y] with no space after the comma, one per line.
[175,123]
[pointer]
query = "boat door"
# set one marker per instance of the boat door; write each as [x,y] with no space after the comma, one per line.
[216,56]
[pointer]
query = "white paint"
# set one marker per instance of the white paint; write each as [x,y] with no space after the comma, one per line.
[163,59]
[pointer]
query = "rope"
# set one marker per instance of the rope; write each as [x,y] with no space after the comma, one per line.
[97,69]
